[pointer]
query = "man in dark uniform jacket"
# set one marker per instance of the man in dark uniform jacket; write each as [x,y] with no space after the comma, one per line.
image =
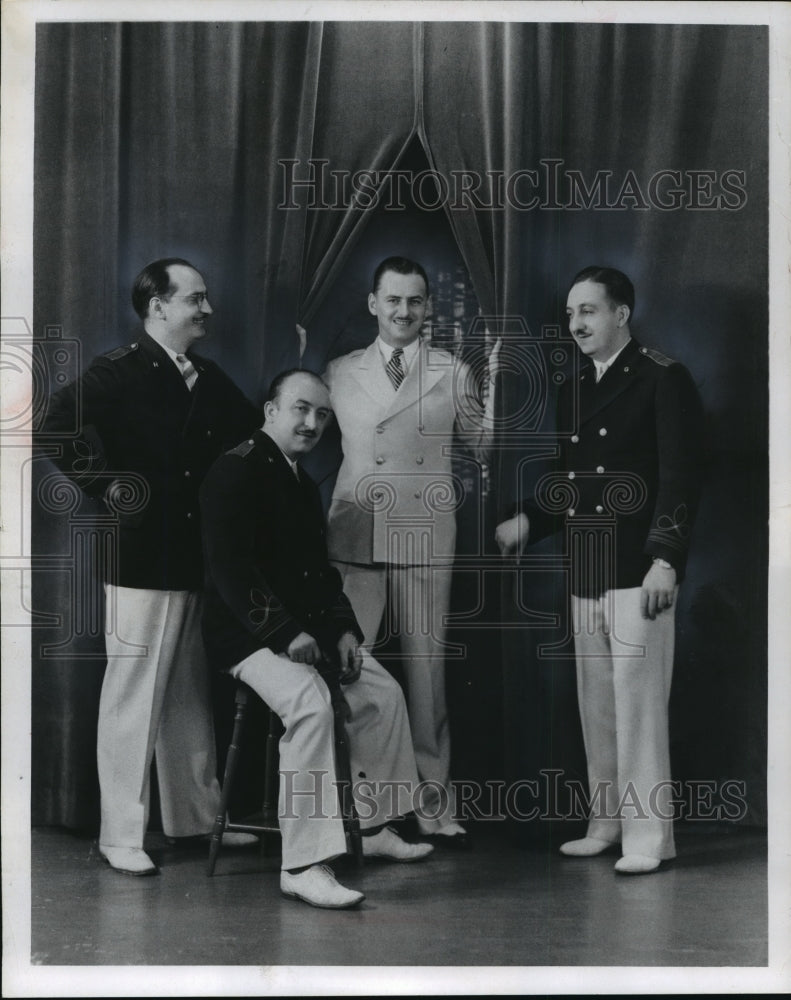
[275,612]
[626,487]
[161,415]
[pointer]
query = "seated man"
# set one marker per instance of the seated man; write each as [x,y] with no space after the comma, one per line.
[275,611]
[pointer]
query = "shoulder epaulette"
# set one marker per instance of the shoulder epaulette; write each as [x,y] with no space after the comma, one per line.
[243,449]
[657,356]
[121,352]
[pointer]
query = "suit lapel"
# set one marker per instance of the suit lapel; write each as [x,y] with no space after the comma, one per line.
[369,373]
[420,379]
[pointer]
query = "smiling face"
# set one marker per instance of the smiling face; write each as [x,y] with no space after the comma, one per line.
[182,313]
[400,304]
[296,418]
[599,326]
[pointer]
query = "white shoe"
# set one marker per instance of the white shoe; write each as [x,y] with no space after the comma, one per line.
[636,864]
[229,839]
[587,847]
[317,886]
[238,839]
[451,829]
[387,844]
[128,860]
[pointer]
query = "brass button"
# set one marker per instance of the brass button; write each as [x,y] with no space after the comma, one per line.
[603,431]
[599,508]
[575,438]
[600,469]
[380,460]
[572,512]
[572,475]
[419,460]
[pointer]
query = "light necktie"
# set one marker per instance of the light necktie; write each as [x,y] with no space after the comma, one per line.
[187,370]
[394,368]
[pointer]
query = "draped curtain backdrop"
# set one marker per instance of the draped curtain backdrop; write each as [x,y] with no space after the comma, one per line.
[186,138]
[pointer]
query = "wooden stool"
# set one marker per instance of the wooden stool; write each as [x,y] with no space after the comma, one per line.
[266,822]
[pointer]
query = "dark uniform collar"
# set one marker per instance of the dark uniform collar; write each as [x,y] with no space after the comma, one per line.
[628,353]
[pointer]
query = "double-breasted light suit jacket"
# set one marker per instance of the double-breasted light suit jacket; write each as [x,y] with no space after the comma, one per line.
[395,496]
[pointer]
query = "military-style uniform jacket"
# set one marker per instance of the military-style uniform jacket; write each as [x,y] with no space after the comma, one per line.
[395,498]
[627,481]
[268,577]
[148,441]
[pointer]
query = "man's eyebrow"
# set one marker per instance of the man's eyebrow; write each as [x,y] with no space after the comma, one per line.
[307,402]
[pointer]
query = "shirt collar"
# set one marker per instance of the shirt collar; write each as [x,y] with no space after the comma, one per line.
[602,366]
[410,352]
[173,355]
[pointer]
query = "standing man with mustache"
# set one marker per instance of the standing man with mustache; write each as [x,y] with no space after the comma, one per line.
[400,404]
[161,414]
[628,477]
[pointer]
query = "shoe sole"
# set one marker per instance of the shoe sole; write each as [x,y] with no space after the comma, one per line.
[610,849]
[452,843]
[646,871]
[321,906]
[128,871]
[401,861]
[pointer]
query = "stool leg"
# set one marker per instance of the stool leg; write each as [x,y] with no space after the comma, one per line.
[351,820]
[227,781]
[271,775]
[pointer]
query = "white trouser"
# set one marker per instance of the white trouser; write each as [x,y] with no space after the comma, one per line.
[380,752]
[417,599]
[624,670]
[155,699]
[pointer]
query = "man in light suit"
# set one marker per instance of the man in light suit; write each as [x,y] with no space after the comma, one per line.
[626,488]
[392,528]
[275,616]
[158,414]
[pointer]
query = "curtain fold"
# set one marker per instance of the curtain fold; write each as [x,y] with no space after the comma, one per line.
[380,119]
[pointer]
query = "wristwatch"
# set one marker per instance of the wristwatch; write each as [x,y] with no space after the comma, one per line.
[662,562]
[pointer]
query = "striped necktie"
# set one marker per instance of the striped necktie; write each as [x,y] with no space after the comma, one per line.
[187,370]
[394,368]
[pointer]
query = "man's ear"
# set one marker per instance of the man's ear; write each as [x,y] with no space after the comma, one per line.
[372,303]
[155,306]
[624,313]
[269,408]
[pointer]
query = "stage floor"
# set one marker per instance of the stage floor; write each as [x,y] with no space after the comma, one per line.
[497,905]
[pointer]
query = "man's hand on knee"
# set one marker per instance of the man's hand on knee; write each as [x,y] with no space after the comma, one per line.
[304,649]
[350,658]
